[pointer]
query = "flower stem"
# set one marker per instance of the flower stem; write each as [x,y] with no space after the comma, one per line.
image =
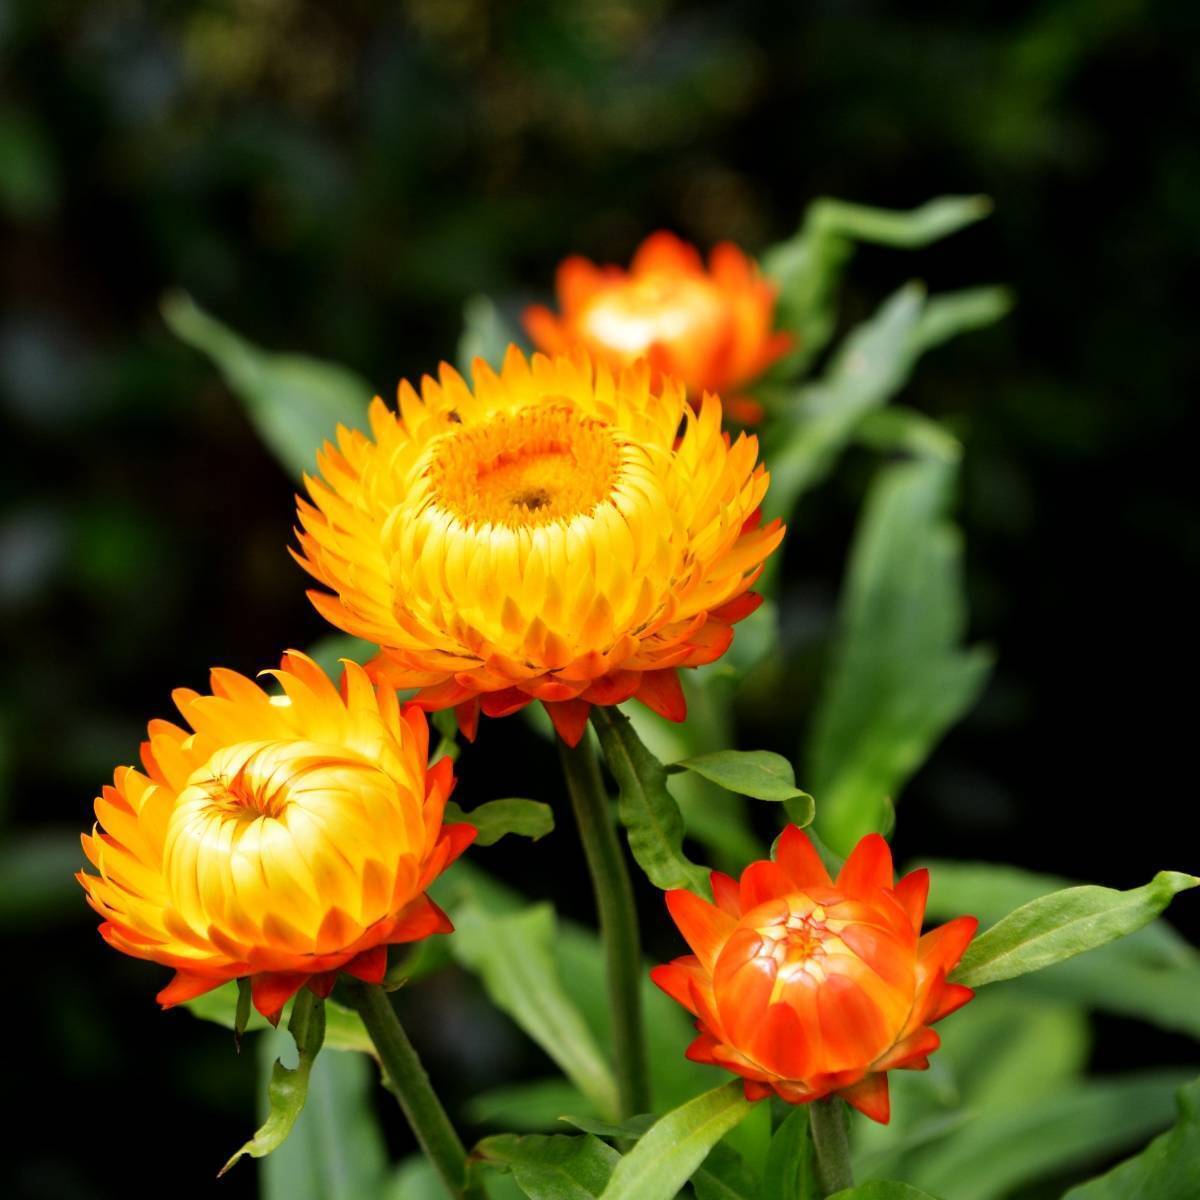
[618,921]
[407,1080]
[827,1119]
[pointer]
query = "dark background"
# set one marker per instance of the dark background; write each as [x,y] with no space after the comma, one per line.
[337,180]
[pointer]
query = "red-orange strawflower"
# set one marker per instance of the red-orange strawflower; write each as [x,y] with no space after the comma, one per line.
[711,328]
[806,986]
[284,838]
[559,532]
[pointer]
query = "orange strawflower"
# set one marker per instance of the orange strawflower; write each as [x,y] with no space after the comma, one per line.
[284,838]
[806,986]
[711,328]
[560,533]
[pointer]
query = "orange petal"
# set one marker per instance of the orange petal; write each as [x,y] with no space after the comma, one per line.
[504,702]
[910,1051]
[870,1097]
[661,692]
[459,838]
[944,946]
[912,891]
[467,716]
[762,881]
[726,893]
[322,984]
[675,978]
[370,966]
[782,1044]
[421,919]
[270,991]
[187,985]
[704,926]
[737,609]
[853,1030]
[868,868]
[799,858]
[569,718]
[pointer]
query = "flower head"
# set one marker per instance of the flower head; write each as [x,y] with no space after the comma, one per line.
[559,533]
[807,986]
[711,328]
[283,838]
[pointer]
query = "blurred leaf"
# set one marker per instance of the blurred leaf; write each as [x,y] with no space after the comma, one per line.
[898,677]
[496,818]
[529,1107]
[646,808]
[908,229]
[949,314]
[882,1189]
[1063,924]
[1168,1169]
[900,430]
[724,1176]
[1047,1134]
[757,773]
[415,1179]
[558,1167]
[336,1150]
[344,1029]
[486,334]
[295,402]
[327,652]
[37,877]
[29,175]
[789,1170]
[287,1087]
[671,1150]
[446,724]
[514,956]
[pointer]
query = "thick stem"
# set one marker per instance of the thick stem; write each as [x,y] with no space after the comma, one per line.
[407,1080]
[827,1119]
[618,921]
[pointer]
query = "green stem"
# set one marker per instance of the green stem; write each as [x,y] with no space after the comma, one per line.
[827,1119]
[410,1084]
[618,921]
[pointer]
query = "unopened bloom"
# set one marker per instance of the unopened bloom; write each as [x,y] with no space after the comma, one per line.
[711,328]
[807,986]
[560,533]
[284,837]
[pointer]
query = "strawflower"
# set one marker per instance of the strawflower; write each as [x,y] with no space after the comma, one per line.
[712,328]
[282,838]
[807,986]
[559,532]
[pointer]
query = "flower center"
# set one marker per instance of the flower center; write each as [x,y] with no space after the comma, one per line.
[525,468]
[659,308]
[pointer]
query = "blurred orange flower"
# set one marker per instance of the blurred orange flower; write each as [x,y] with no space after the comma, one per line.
[560,533]
[284,838]
[807,986]
[711,328]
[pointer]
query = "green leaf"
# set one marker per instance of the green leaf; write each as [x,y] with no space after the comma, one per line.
[287,1088]
[529,1107]
[949,314]
[446,723]
[328,652]
[907,230]
[336,1149]
[514,956]
[1168,1169]
[496,818]
[724,1176]
[295,402]
[1047,1135]
[1064,924]
[344,1029]
[646,808]
[558,1167]
[898,677]
[900,430]
[666,1157]
[757,773]
[789,1170]
[486,334]
[882,1189]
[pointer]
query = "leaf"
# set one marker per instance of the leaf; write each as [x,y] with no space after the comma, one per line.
[336,1149]
[898,675]
[900,430]
[344,1029]
[513,955]
[1168,1169]
[724,1176]
[949,314]
[1063,924]
[789,1170]
[557,1167]
[882,1189]
[1047,1135]
[287,1087]
[446,723]
[757,773]
[666,1157]
[328,652]
[529,1107]
[486,334]
[496,818]
[645,807]
[295,402]
[906,230]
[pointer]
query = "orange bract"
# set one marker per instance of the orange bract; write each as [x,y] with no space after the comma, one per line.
[711,328]
[807,986]
[559,532]
[284,838]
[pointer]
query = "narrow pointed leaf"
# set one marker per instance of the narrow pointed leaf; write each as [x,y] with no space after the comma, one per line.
[675,1146]
[789,1171]
[497,818]
[1059,926]
[557,1167]
[882,1189]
